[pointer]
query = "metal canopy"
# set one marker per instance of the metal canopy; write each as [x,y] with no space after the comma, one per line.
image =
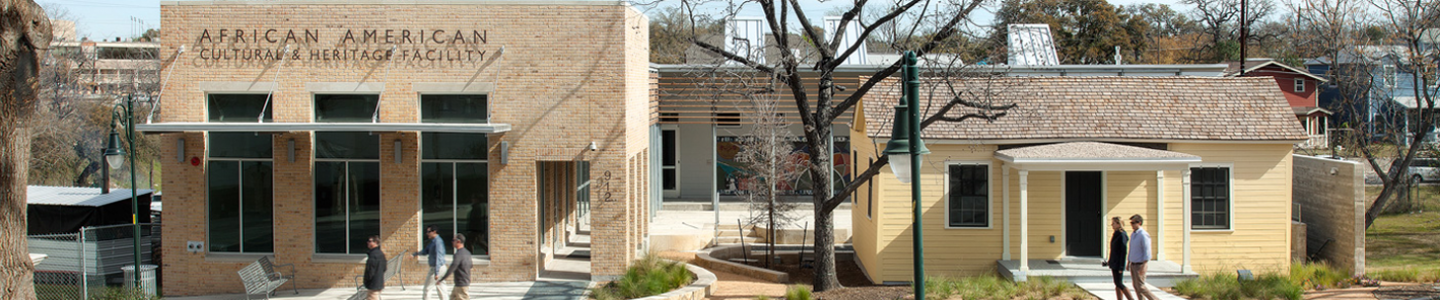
[288,127]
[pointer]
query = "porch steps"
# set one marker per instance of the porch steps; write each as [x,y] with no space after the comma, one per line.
[1106,291]
[1088,270]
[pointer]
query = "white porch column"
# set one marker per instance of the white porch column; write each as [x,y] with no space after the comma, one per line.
[1005,214]
[1160,215]
[1024,222]
[1185,195]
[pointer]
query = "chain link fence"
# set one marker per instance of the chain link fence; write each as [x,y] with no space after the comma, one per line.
[78,265]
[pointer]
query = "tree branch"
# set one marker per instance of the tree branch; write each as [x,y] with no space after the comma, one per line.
[878,22]
[733,57]
[849,189]
[944,33]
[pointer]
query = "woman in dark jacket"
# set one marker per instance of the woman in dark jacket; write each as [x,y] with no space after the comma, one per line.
[1116,259]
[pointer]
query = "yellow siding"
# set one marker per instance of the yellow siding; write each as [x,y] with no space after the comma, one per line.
[1129,193]
[863,237]
[1261,236]
[966,251]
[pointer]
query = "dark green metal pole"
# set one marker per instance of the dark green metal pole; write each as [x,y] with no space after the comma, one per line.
[912,96]
[134,199]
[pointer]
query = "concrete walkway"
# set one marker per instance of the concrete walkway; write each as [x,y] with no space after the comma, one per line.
[547,289]
[1106,291]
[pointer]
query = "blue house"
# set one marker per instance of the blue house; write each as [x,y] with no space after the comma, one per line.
[1383,104]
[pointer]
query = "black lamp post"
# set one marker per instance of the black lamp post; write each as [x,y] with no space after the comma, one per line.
[906,151]
[115,154]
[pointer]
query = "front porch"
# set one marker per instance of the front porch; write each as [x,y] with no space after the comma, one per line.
[1161,273]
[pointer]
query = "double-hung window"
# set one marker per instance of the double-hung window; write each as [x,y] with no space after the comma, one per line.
[1210,200]
[454,172]
[1299,85]
[239,193]
[967,195]
[347,176]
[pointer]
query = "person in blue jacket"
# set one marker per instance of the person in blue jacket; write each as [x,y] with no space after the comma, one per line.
[435,248]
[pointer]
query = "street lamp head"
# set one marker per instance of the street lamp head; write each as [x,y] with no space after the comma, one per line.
[113,153]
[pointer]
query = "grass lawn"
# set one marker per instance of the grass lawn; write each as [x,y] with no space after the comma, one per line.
[1406,241]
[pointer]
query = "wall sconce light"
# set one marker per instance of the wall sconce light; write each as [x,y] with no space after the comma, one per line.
[180,150]
[504,152]
[397,151]
[291,145]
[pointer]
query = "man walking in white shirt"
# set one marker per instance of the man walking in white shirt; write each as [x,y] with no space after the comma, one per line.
[1139,256]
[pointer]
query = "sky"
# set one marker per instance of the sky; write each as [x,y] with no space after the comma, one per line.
[108,19]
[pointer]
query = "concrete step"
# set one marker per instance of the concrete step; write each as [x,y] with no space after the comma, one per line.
[733,232]
[736,240]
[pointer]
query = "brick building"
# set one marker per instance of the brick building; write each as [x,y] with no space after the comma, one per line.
[296,129]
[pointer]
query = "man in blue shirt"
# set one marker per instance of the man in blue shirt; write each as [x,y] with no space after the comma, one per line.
[1139,256]
[436,249]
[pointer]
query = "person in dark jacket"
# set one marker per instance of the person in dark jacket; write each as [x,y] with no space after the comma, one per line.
[460,266]
[374,269]
[1116,259]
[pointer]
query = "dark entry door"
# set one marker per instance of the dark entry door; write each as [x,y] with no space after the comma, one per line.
[1083,214]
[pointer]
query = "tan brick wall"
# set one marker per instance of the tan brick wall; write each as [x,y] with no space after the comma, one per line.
[1331,195]
[569,75]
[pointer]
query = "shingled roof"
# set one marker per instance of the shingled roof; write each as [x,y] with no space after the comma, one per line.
[1106,108]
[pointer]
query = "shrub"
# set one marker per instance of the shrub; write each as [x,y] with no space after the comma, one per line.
[1224,286]
[649,276]
[120,293]
[1319,276]
[994,287]
[798,292]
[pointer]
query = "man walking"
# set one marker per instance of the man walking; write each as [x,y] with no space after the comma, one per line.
[1139,256]
[461,268]
[436,249]
[374,269]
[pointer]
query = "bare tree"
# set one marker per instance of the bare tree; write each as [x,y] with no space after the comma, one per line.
[1407,22]
[1222,23]
[772,158]
[24,34]
[936,23]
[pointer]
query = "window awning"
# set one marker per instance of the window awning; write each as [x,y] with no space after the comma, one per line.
[1094,156]
[288,127]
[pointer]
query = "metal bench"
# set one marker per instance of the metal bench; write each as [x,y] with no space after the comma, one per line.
[392,269]
[257,281]
[277,275]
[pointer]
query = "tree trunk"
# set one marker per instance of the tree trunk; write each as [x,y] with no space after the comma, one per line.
[24,30]
[820,163]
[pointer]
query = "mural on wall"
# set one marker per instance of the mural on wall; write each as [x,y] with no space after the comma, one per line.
[734,179]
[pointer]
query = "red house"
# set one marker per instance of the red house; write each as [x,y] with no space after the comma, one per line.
[1301,90]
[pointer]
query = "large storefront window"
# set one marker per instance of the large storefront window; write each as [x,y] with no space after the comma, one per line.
[239,193]
[347,191]
[454,172]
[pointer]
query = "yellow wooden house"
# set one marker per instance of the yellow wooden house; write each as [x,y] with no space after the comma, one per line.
[1206,162]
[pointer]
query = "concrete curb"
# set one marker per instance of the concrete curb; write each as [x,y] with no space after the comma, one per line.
[703,286]
[708,259]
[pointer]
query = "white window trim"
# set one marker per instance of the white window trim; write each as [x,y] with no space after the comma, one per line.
[1299,85]
[1230,227]
[989,195]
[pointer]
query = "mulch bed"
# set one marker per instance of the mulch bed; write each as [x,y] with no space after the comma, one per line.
[1423,291]
[857,287]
